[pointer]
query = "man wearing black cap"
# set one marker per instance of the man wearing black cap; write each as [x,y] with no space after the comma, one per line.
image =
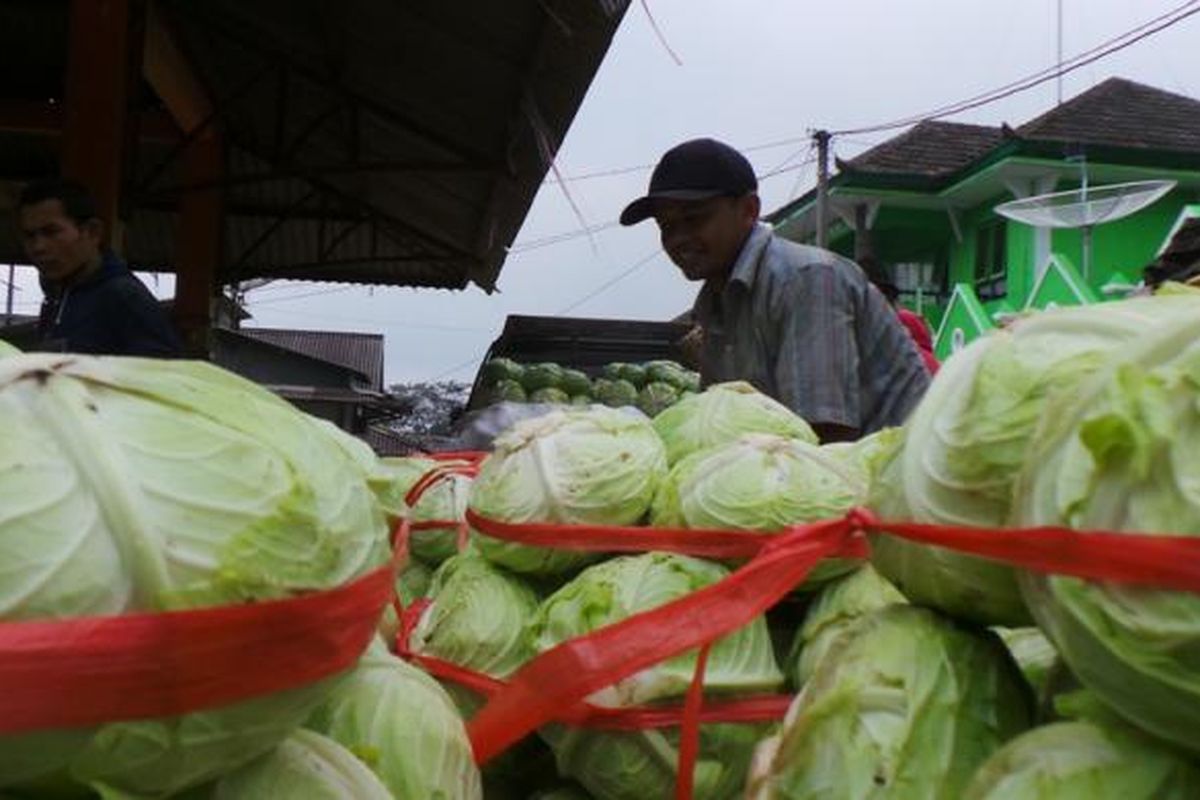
[802,324]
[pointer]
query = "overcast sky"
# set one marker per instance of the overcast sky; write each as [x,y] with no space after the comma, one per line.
[753,73]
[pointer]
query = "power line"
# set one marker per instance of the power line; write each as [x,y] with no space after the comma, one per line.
[625,273]
[1079,61]
[303,295]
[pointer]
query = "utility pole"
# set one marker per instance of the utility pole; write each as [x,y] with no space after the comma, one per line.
[1058,63]
[8,305]
[822,139]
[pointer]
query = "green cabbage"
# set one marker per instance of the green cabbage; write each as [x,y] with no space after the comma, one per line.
[306,766]
[404,726]
[1084,761]
[655,397]
[836,609]
[507,391]
[615,393]
[497,370]
[1120,454]
[412,583]
[541,376]
[396,476]
[575,382]
[579,465]
[905,706]
[865,456]
[759,482]
[550,394]
[720,415]
[145,485]
[968,438]
[1034,654]
[444,500]
[7,349]
[635,765]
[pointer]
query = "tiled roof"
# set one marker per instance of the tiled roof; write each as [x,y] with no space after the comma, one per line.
[930,148]
[1121,113]
[361,352]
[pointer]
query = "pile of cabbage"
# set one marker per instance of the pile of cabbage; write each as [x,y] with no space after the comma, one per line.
[919,674]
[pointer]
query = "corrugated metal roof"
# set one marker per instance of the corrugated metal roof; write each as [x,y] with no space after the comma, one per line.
[361,352]
[370,141]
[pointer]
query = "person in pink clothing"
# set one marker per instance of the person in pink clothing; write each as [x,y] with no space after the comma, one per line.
[916,326]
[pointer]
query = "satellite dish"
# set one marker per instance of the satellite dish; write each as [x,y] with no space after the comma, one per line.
[1085,208]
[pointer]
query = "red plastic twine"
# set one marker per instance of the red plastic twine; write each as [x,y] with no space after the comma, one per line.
[561,677]
[78,672]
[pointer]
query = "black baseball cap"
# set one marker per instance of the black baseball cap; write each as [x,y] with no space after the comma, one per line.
[695,170]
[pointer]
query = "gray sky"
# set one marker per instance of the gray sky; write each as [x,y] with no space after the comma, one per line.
[753,73]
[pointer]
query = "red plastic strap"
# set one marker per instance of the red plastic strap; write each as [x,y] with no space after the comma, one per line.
[1164,562]
[564,675]
[689,734]
[435,476]
[719,544]
[78,672]
[473,456]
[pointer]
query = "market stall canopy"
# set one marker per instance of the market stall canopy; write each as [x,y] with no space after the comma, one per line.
[366,141]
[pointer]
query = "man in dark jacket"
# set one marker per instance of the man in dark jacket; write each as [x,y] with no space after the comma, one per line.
[93,303]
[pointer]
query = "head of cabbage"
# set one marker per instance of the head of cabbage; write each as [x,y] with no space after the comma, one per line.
[906,704]
[625,766]
[969,437]
[759,482]
[593,465]
[1119,454]
[722,413]
[142,485]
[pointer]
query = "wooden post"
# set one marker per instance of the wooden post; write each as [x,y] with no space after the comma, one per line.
[103,61]
[822,138]
[199,250]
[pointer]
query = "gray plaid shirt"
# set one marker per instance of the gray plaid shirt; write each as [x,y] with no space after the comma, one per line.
[806,327]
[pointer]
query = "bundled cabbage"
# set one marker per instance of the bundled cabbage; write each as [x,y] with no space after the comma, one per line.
[1084,761]
[396,476]
[306,766]
[969,436]
[836,608]
[721,414]
[1119,454]
[865,456]
[412,583]
[476,617]
[1034,654]
[636,765]
[906,705]
[592,465]
[759,482]
[139,485]
[404,726]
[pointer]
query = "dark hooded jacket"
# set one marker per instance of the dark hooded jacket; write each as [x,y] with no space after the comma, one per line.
[110,312]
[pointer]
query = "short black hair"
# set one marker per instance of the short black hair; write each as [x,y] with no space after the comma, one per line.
[77,201]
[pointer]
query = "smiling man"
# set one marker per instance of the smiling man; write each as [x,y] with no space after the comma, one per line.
[93,303]
[802,324]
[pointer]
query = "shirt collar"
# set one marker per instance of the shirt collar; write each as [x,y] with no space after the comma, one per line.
[743,272]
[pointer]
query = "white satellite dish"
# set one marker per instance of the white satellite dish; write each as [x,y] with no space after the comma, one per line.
[1085,208]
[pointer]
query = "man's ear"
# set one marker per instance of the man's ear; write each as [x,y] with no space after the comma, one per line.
[94,229]
[752,207]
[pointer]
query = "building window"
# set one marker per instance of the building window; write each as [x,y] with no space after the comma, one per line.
[991,272]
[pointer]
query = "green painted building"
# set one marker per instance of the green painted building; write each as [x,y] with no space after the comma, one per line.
[922,205]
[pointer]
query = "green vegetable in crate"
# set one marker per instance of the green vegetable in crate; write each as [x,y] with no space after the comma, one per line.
[615,393]
[613,371]
[723,413]
[550,394]
[759,482]
[404,726]
[575,382]
[581,400]
[905,706]
[306,766]
[592,465]
[541,376]
[1084,761]
[496,370]
[507,391]
[641,764]
[836,609]
[129,485]
[969,436]
[691,381]
[634,373]
[666,372]
[656,397]
[1119,453]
